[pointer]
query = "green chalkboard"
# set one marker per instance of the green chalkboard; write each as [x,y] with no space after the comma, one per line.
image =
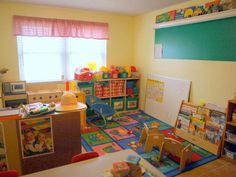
[212,40]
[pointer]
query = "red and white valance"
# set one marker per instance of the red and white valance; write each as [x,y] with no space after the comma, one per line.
[46,27]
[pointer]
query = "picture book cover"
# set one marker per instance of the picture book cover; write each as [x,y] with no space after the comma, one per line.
[183,122]
[215,127]
[188,109]
[198,120]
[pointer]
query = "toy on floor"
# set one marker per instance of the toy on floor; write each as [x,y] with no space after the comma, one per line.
[100,108]
[151,137]
[177,149]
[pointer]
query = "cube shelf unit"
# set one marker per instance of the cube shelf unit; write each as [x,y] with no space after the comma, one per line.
[229,143]
[122,93]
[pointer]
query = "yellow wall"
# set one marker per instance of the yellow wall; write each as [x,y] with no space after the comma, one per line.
[212,81]
[120,45]
[131,42]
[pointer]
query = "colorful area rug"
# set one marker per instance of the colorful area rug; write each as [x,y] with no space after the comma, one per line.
[123,132]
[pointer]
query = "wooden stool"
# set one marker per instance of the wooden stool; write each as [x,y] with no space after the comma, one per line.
[151,137]
[177,149]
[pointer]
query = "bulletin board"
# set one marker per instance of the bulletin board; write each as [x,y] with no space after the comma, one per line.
[212,40]
[164,96]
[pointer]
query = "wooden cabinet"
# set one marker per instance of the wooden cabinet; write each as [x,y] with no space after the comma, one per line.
[229,143]
[66,143]
[122,94]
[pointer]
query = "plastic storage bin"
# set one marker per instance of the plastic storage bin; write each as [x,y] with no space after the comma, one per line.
[131,103]
[86,87]
[231,137]
[118,104]
[230,152]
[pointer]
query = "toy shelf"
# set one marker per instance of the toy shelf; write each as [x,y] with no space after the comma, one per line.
[117,94]
[229,143]
[197,19]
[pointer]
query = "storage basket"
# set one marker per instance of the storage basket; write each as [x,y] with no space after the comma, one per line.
[118,104]
[230,152]
[123,75]
[131,103]
[105,75]
[231,137]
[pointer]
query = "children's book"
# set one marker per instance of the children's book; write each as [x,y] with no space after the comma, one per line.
[183,122]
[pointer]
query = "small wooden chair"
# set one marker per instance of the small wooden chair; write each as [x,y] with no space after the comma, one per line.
[83,156]
[177,149]
[10,173]
[151,137]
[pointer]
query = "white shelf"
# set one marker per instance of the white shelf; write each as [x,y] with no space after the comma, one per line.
[197,19]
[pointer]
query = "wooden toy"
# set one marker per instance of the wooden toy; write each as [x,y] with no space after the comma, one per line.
[151,137]
[177,149]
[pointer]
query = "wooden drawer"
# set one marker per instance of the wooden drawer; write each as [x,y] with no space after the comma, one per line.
[44,97]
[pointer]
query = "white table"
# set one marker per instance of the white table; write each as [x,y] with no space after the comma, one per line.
[93,167]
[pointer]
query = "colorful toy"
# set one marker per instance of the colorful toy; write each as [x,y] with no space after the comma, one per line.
[188,12]
[177,149]
[128,70]
[213,6]
[133,69]
[83,74]
[168,16]
[179,14]
[151,137]
[199,11]
[104,69]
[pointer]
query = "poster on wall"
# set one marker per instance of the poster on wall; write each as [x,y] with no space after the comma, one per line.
[36,137]
[3,154]
[155,90]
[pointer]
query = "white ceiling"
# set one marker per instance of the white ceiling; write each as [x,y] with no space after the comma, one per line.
[130,7]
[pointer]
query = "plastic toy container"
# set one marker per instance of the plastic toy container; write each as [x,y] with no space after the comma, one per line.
[118,104]
[123,75]
[86,87]
[131,103]
[231,137]
[106,76]
[230,152]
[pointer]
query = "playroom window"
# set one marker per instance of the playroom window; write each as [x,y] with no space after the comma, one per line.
[55,59]
[51,49]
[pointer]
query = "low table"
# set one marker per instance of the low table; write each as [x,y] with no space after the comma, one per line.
[94,167]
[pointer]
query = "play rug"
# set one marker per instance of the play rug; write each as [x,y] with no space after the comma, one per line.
[124,132]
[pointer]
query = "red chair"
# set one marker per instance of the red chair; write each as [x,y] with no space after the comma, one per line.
[10,173]
[83,156]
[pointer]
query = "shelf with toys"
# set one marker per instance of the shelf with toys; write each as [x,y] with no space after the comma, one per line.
[214,10]
[229,143]
[116,86]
